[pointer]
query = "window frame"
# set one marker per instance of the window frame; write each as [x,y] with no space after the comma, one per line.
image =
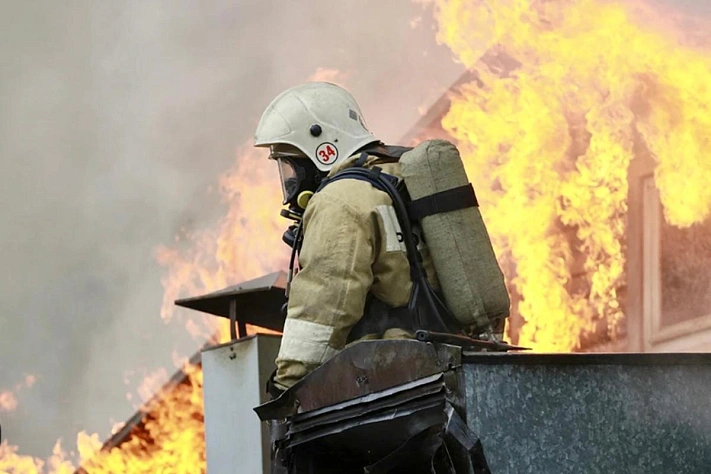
[654,333]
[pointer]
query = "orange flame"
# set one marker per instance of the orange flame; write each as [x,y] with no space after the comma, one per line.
[13,463]
[246,245]
[549,144]
[171,436]
[170,439]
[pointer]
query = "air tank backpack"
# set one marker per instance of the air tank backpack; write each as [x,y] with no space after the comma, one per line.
[440,199]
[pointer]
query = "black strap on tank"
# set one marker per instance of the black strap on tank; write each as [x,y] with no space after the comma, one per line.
[444,201]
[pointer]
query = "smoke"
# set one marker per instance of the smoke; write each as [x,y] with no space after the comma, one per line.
[690,7]
[117,118]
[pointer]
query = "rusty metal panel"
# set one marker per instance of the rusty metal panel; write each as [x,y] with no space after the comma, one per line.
[234,377]
[361,369]
[592,413]
[372,366]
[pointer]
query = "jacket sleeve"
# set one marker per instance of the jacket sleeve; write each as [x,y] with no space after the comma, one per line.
[328,294]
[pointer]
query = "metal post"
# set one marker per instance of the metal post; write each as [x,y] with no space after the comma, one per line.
[233,319]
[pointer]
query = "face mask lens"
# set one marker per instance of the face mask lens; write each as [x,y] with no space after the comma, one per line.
[289,187]
[289,180]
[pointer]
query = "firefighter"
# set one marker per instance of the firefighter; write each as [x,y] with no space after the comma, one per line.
[354,279]
[352,260]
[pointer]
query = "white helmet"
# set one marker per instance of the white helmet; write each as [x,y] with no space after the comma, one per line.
[321,119]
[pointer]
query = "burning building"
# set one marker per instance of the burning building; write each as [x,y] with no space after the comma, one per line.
[660,291]
[658,299]
[588,152]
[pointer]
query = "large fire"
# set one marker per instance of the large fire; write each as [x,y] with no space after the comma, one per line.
[547,145]
[246,244]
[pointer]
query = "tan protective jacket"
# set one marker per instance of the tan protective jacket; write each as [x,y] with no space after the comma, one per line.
[350,248]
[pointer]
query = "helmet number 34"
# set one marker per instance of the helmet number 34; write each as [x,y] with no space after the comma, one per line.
[327,153]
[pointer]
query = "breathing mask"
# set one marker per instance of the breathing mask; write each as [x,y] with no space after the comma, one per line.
[299,180]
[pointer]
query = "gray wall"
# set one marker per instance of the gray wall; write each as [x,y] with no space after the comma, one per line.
[591,413]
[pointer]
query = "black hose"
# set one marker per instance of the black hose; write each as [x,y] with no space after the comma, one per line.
[292,259]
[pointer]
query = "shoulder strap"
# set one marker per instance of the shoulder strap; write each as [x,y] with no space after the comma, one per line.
[387,152]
